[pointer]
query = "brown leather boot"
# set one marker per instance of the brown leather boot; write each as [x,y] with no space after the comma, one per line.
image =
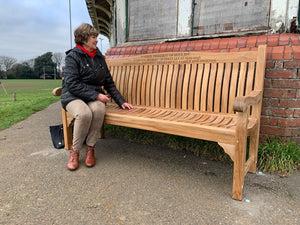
[89,156]
[73,160]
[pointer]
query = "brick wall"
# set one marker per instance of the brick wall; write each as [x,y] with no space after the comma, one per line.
[281,102]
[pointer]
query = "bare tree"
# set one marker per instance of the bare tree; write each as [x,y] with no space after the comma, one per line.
[6,63]
[57,58]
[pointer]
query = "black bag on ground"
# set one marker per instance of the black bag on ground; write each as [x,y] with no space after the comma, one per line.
[57,136]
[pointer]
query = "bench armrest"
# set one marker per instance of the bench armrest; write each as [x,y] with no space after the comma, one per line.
[57,91]
[241,104]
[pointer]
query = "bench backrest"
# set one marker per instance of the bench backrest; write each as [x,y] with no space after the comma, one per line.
[189,80]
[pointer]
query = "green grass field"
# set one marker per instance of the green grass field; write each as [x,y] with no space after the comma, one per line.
[31,96]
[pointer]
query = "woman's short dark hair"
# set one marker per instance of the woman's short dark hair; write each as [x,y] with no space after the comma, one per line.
[83,32]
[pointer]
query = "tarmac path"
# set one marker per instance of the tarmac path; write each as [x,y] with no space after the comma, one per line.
[131,183]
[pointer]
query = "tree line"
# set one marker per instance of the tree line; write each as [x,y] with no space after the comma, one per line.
[46,65]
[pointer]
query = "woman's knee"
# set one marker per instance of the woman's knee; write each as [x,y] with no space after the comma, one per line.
[84,115]
[97,108]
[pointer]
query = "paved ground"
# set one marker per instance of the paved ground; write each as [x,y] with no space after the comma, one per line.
[130,184]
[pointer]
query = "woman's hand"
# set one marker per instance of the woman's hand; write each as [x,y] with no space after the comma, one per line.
[126,105]
[103,98]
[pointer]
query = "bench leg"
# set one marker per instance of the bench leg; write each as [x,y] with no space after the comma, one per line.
[238,169]
[253,150]
[67,130]
[239,157]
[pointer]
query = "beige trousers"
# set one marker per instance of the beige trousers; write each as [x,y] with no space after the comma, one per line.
[88,121]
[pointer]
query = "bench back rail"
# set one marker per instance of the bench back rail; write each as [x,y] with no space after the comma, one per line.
[197,81]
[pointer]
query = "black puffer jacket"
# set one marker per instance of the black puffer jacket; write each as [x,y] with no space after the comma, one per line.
[84,78]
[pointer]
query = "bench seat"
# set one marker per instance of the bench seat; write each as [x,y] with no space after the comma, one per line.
[215,127]
[191,123]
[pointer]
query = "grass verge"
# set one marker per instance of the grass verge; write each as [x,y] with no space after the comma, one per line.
[278,155]
[31,96]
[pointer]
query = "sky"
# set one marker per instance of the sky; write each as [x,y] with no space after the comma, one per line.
[31,28]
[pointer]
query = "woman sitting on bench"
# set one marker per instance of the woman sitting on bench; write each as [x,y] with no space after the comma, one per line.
[82,96]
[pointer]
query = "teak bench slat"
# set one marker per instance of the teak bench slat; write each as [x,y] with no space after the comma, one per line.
[210,96]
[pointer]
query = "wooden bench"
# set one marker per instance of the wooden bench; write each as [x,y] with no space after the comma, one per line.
[211,96]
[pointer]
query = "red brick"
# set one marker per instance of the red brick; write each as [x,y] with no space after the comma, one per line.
[215,43]
[266,102]
[119,51]
[273,130]
[273,121]
[133,50]
[170,47]
[284,39]
[234,50]
[151,48]
[279,93]
[109,51]
[292,64]
[267,83]
[294,39]
[281,73]
[242,42]
[296,50]
[183,46]
[264,120]
[223,44]
[273,40]
[290,83]
[269,64]
[251,42]
[277,53]
[262,40]
[177,46]
[163,47]
[274,102]
[296,113]
[144,49]
[289,122]
[198,45]
[139,49]
[156,48]
[232,42]
[128,50]
[276,83]
[191,46]
[276,112]
[115,50]
[289,103]
[123,49]
[206,44]
[288,53]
